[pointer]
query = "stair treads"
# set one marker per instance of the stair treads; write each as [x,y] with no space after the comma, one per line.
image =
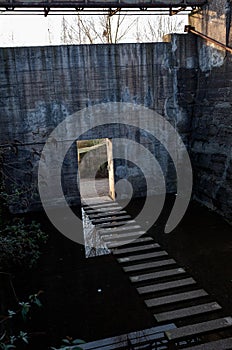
[135,249]
[221,344]
[199,328]
[100,205]
[157,275]
[166,286]
[174,298]
[106,214]
[112,230]
[101,210]
[108,238]
[187,312]
[128,241]
[115,223]
[142,256]
[110,219]
[149,265]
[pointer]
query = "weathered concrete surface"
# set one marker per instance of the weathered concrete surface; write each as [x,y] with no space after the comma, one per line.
[183,79]
[213,20]
[211,146]
[91,160]
[41,86]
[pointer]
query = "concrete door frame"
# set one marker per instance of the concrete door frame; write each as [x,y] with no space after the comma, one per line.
[110,166]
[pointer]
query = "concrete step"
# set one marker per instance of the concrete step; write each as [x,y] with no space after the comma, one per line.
[101,210]
[110,219]
[150,265]
[157,275]
[111,230]
[106,214]
[187,312]
[221,344]
[121,251]
[154,288]
[197,329]
[175,298]
[126,241]
[115,224]
[146,256]
[109,237]
[100,205]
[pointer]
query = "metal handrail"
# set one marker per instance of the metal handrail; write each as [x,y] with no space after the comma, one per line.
[190,29]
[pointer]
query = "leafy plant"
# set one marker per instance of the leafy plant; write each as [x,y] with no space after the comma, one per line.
[25,308]
[34,299]
[8,341]
[20,244]
[9,346]
[70,344]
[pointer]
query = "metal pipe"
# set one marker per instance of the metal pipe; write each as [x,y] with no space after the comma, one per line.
[190,29]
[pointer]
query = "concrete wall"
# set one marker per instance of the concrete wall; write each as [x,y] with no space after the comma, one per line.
[40,86]
[211,139]
[211,146]
[93,159]
[213,19]
[184,79]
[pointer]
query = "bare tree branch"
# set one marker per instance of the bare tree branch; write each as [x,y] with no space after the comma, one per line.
[114,29]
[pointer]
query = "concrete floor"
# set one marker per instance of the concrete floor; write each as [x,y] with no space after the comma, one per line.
[101,186]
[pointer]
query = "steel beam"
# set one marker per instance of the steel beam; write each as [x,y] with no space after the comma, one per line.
[113,6]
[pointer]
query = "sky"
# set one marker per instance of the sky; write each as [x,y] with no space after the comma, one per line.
[37,30]
[29,30]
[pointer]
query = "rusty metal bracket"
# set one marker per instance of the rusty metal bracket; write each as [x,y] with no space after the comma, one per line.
[78,9]
[190,29]
[175,12]
[113,12]
[46,11]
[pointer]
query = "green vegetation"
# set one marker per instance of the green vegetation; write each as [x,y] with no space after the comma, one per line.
[21,241]
[20,244]
[70,344]
[9,339]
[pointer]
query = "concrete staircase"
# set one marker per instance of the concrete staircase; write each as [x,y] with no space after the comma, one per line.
[166,288]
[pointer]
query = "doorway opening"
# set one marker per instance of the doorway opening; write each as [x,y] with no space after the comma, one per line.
[96,183]
[96,170]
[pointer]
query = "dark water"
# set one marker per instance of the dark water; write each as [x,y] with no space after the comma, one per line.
[83,298]
[92,298]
